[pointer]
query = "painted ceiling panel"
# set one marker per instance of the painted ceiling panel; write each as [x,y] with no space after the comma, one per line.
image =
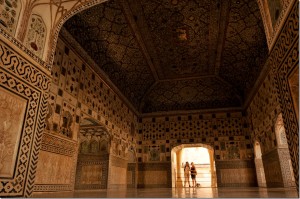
[168,55]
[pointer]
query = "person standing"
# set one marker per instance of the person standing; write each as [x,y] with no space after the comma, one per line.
[186,173]
[193,174]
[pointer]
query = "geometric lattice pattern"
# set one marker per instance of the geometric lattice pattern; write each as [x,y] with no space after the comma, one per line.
[227,132]
[173,55]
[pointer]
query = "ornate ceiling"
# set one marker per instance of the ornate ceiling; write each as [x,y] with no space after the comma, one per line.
[168,55]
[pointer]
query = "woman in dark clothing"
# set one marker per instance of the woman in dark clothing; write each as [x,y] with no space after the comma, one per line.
[193,174]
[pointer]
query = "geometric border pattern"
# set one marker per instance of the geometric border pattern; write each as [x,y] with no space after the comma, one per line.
[18,75]
[284,58]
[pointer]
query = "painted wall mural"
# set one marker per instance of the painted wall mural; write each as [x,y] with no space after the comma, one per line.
[12,109]
[36,35]
[55,169]
[91,174]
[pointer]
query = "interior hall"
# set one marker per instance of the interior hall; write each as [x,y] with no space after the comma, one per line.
[149,98]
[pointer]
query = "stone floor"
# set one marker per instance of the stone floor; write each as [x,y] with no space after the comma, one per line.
[177,193]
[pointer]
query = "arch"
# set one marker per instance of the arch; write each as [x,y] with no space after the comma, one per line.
[176,154]
[131,156]
[58,25]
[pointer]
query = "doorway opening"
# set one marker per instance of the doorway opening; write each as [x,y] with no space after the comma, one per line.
[202,156]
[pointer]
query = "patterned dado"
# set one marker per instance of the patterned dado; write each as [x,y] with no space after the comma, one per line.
[57,164]
[152,175]
[92,171]
[239,173]
[117,174]
[23,84]
[132,175]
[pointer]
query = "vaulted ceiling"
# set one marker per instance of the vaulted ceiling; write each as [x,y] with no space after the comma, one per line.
[168,55]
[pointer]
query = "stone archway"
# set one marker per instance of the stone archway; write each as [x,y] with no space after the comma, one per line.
[176,161]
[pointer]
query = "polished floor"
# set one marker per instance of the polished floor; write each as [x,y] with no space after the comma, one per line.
[250,192]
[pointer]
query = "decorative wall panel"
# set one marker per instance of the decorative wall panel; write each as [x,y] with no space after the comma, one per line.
[291,61]
[117,177]
[23,86]
[132,175]
[92,171]
[57,164]
[274,95]
[154,175]
[236,173]
[36,35]
[11,120]
[227,132]
[9,15]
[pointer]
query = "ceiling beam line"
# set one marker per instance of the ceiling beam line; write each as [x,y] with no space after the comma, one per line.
[186,78]
[223,23]
[136,32]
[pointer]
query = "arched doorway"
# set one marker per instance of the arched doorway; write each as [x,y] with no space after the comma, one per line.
[93,156]
[206,172]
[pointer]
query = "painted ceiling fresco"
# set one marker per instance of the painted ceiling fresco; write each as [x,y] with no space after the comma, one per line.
[168,55]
